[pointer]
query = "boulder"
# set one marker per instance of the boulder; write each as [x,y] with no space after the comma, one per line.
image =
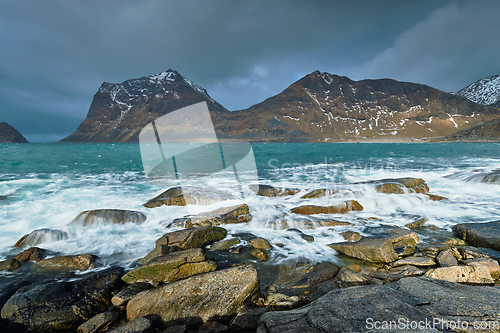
[397,273]
[80,262]
[446,258]
[176,329]
[492,265]
[416,224]
[339,208]
[224,244]
[100,322]
[349,278]
[435,197]
[198,299]
[258,253]
[40,236]
[414,299]
[403,240]
[172,267]
[318,193]
[479,252]
[9,264]
[159,251]
[32,254]
[260,243]
[479,234]
[139,325]
[62,305]
[193,237]
[280,302]
[351,236]
[462,274]
[212,327]
[271,192]
[107,216]
[416,185]
[389,188]
[369,249]
[12,286]
[247,319]
[124,295]
[175,197]
[224,215]
[414,261]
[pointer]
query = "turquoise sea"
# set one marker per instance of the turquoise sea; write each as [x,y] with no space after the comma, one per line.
[48,185]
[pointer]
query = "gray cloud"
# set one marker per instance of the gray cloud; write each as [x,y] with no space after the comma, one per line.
[55,54]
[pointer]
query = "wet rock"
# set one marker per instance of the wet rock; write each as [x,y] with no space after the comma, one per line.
[247,319]
[446,258]
[212,327]
[479,252]
[80,262]
[40,236]
[174,197]
[98,323]
[107,216]
[414,261]
[280,302]
[369,249]
[462,274]
[224,215]
[9,264]
[397,273]
[417,185]
[172,267]
[10,288]
[339,208]
[224,244]
[193,237]
[389,188]
[492,265]
[258,253]
[319,193]
[479,234]
[307,238]
[159,251]
[201,298]
[414,299]
[416,224]
[260,243]
[435,197]
[124,295]
[32,254]
[139,325]
[62,305]
[348,278]
[310,280]
[351,236]
[270,191]
[404,241]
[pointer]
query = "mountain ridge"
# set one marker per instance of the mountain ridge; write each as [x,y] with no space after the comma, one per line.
[9,134]
[484,91]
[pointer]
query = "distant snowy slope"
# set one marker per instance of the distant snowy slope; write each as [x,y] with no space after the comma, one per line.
[485,91]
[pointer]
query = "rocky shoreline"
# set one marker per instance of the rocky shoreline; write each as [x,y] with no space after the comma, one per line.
[200,279]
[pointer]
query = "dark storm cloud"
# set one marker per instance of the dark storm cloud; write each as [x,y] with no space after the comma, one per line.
[55,54]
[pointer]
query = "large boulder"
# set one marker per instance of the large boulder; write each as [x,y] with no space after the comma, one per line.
[80,262]
[40,236]
[479,234]
[107,216]
[193,237]
[172,267]
[368,249]
[216,295]
[224,215]
[410,300]
[62,305]
[339,208]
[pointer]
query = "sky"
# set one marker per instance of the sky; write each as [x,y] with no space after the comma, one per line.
[54,55]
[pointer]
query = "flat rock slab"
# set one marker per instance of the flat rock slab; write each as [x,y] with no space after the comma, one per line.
[479,234]
[107,216]
[98,323]
[80,262]
[224,215]
[172,267]
[414,261]
[62,305]
[199,299]
[414,299]
[339,208]
[40,236]
[193,237]
[369,249]
[463,274]
[124,295]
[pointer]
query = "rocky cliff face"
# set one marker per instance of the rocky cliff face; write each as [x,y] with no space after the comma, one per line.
[119,111]
[322,107]
[10,134]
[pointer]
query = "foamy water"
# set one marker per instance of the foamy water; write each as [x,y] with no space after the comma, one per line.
[47,186]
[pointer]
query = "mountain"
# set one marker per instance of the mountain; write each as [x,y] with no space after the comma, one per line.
[485,91]
[483,132]
[323,107]
[119,111]
[10,134]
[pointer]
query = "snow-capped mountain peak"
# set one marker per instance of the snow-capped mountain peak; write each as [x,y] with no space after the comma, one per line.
[485,91]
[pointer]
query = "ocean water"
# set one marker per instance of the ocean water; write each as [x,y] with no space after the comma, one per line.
[48,185]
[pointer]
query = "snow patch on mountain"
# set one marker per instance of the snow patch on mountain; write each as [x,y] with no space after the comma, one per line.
[485,91]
